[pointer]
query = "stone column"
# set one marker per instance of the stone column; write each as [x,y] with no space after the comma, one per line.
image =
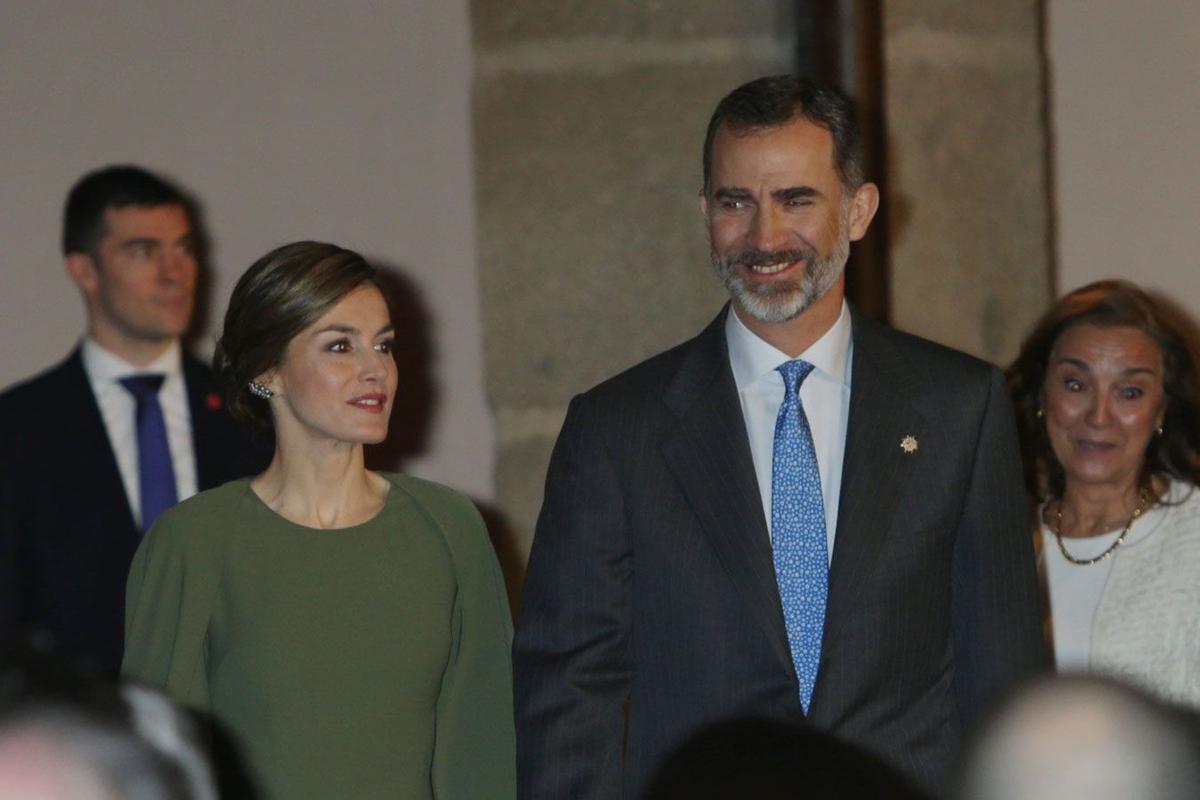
[589,120]
[968,185]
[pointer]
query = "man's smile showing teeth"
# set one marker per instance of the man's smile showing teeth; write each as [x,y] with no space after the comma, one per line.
[770,269]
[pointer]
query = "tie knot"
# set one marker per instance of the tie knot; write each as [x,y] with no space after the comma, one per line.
[794,372]
[143,386]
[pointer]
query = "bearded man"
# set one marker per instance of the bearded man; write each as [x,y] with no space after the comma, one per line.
[799,514]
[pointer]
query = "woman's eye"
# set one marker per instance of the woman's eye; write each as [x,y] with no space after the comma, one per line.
[340,346]
[1073,384]
[1132,392]
[385,347]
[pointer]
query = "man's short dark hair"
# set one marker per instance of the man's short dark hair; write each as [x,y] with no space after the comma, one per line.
[115,186]
[779,99]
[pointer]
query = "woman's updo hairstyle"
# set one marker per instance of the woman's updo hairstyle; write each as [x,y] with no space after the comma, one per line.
[282,293]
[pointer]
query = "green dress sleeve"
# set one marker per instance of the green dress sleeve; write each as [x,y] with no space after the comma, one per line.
[168,600]
[475,741]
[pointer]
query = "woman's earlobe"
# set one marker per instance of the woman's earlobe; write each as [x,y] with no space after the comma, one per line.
[265,385]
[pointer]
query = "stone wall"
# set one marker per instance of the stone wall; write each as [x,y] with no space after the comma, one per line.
[589,120]
[968,191]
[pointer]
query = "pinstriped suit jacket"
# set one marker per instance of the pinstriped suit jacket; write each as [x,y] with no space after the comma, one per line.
[651,606]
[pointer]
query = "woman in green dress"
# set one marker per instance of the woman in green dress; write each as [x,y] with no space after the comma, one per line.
[347,629]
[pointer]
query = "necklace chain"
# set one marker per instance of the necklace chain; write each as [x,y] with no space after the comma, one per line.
[1087,562]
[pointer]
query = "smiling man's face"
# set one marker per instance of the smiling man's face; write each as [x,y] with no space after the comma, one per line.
[780,220]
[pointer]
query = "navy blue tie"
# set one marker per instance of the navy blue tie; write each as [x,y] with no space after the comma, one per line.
[798,530]
[156,476]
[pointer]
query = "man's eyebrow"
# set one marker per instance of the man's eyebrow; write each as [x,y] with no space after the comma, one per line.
[731,193]
[780,195]
[795,193]
[140,241]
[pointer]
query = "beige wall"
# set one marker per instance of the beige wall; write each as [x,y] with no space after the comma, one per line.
[1125,121]
[347,122]
[589,121]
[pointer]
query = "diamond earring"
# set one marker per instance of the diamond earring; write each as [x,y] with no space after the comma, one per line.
[258,390]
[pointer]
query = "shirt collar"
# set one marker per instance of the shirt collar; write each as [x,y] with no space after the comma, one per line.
[103,365]
[752,358]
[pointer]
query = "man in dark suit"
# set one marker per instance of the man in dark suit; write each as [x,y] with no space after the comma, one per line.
[93,449]
[800,513]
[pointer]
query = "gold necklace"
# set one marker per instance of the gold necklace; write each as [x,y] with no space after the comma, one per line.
[1087,562]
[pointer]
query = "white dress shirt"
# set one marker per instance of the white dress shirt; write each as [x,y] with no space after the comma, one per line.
[118,409]
[825,395]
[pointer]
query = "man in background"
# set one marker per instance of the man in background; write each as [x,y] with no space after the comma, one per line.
[94,449]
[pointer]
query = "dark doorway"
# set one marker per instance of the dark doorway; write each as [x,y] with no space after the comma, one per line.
[840,42]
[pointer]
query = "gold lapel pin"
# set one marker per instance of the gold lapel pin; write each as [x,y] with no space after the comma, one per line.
[909,444]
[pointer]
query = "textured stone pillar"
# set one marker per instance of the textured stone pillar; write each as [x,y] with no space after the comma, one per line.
[968,187]
[589,119]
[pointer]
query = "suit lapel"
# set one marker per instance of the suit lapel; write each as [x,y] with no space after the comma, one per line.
[709,455]
[204,406]
[876,467]
[91,453]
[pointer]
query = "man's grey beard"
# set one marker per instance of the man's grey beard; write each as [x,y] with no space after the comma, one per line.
[783,300]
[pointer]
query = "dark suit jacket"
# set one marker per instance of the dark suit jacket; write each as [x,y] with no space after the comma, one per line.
[651,591]
[67,534]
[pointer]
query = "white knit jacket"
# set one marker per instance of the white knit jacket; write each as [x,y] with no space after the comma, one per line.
[1147,626]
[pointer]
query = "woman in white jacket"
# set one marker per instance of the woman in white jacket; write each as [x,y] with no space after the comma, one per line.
[1108,403]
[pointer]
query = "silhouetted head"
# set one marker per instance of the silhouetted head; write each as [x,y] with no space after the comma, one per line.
[770,760]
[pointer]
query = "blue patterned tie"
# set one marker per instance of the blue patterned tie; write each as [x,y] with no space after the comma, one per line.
[798,530]
[156,476]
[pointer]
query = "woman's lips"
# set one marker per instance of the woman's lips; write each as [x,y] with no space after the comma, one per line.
[371,403]
[1089,446]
